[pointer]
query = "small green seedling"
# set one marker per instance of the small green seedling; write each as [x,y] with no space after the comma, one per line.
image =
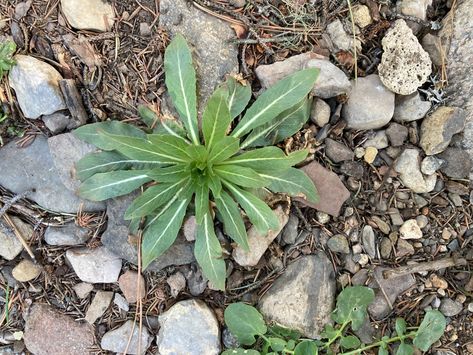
[7,49]
[205,170]
[248,326]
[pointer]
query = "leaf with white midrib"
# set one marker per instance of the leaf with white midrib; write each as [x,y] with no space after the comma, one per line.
[232,221]
[208,253]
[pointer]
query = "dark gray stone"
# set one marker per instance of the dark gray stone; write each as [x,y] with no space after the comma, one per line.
[213,55]
[390,288]
[303,297]
[56,122]
[338,244]
[290,232]
[457,163]
[116,238]
[337,152]
[69,234]
[116,340]
[369,241]
[450,308]
[38,174]
[397,134]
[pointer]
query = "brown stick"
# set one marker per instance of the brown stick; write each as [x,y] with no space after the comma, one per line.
[7,218]
[427,266]
[73,102]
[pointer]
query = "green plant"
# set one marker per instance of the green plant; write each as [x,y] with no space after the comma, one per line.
[7,49]
[248,326]
[213,172]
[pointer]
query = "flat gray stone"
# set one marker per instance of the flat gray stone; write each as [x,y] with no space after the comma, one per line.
[259,242]
[450,308]
[98,306]
[339,244]
[390,288]
[303,297]
[116,340]
[116,238]
[337,152]
[69,234]
[38,174]
[10,246]
[48,332]
[457,163]
[410,107]
[331,80]
[408,167]
[66,150]
[56,122]
[95,15]
[370,105]
[36,86]
[95,265]
[187,320]
[203,32]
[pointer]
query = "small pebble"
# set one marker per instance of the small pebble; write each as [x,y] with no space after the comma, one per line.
[83,289]
[128,283]
[322,217]
[370,154]
[422,221]
[338,244]
[26,271]
[359,152]
[438,282]
[410,230]
[177,283]
[121,302]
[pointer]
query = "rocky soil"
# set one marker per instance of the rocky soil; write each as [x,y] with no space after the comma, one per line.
[391,140]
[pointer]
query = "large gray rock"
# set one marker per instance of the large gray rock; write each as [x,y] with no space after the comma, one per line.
[117,340]
[438,128]
[66,150]
[95,15]
[408,167]
[38,174]
[95,265]
[213,55]
[370,105]
[182,324]
[47,332]
[457,163]
[303,297]
[405,65]
[69,234]
[36,85]
[259,242]
[457,30]
[331,81]
[116,238]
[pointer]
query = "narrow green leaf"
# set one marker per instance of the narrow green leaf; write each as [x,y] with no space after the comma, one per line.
[275,100]
[216,118]
[268,158]
[430,330]
[103,162]
[161,234]
[90,133]
[170,145]
[238,96]
[232,221]
[262,217]
[283,126]
[154,197]
[224,149]
[139,148]
[208,253]
[181,83]
[103,186]
[306,347]
[293,182]
[170,173]
[215,184]
[201,202]
[169,125]
[240,175]
[244,322]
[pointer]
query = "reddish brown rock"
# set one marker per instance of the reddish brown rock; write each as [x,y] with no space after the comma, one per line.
[48,332]
[331,190]
[128,283]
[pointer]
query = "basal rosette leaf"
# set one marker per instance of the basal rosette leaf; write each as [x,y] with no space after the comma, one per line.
[244,322]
